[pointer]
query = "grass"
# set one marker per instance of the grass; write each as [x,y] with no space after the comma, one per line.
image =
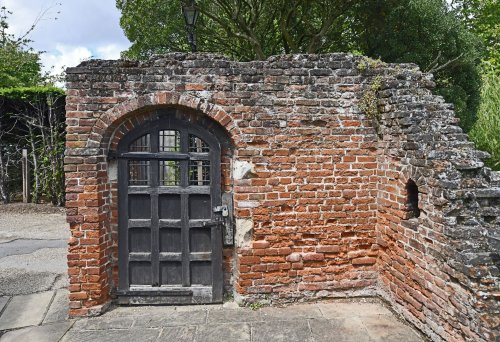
[255,306]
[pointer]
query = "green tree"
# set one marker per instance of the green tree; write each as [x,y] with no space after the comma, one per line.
[241,29]
[31,116]
[19,65]
[486,131]
[483,18]
[426,32]
[34,118]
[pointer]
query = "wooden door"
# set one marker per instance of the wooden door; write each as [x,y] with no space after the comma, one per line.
[170,237]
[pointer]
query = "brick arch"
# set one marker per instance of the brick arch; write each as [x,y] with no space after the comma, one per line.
[92,205]
[132,112]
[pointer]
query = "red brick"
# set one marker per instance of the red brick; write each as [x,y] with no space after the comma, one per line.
[260,244]
[328,249]
[249,260]
[313,256]
[364,261]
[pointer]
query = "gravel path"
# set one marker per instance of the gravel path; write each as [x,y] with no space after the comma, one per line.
[30,208]
[32,221]
[33,247]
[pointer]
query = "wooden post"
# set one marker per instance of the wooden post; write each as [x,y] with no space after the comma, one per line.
[26,177]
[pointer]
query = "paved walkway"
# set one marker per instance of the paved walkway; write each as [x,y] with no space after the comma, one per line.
[335,321]
[33,249]
[33,309]
[33,271]
[34,303]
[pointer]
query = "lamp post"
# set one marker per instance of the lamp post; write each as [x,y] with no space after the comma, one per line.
[190,13]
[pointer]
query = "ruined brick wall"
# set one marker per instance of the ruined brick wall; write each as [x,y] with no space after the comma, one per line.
[441,270]
[319,188]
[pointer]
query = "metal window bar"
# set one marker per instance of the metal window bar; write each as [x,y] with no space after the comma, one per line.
[170,173]
[197,145]
[142,144]
[170,141]
[199,172]
[138,172]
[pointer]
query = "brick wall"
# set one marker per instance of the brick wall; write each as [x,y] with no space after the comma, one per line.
[440,270]
[321,210]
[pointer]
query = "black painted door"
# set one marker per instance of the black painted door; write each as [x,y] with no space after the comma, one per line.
[170,238]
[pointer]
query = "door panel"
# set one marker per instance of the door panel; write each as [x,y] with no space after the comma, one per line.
[139,207]
[171,273]
[140,272]
[199,207]
[169,206]
[139,240]
[170,240]
[200,240]
[201,273]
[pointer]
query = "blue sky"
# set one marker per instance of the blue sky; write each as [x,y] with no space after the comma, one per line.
[83,29]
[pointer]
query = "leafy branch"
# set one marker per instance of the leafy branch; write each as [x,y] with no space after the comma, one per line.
[435,67]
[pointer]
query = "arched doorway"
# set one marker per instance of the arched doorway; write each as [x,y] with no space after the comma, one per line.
[170,223]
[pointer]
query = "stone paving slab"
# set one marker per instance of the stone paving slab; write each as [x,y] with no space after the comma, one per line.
[281,331]
[388,328]
[3,302]
[228,332]
[336,321]
[234,315]
[132,335]
[178,334]
[102,323]
[19,281]
[339,330]
[173,319]
[354,309]
[45,333]
[302,311]
[137,311]
[26,310]
[58,310]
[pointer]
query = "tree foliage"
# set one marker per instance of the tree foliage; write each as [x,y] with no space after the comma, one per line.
[19,65]
[426,32]
[486,131]
[242,29]
[33,118]
[483,18]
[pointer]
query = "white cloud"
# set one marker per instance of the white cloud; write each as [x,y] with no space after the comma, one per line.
[22,18]
[83,30]
[111,51]
[63,57]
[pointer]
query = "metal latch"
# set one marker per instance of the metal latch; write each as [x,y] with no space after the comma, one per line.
[211,223]
[222,209]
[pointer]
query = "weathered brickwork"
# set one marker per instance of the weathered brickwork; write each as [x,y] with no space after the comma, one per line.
[440,269]
[319,188]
